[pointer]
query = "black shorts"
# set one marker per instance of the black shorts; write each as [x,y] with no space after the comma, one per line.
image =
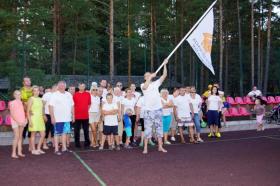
[142,124]
[49,127]
[108,130]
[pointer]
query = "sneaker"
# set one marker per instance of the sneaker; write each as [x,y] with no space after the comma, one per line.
[41,152]
[118,148]
[35,152]
[64,151]
[210,135]
[218,135]
[101,148]
[167,143]
[200,140]
[173,138]
[151,143]
[128,147]
[111,147]
[57,153]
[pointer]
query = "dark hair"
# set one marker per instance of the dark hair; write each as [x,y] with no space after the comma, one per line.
[127,89]
[263,102]
[217,93]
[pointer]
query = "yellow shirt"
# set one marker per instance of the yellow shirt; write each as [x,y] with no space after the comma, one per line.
[26,93]
[206,93]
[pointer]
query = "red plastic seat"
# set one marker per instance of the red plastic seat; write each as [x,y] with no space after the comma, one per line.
[271,100]
[248,100]
[1,120]
[2,105]
[8,120]
[239,101]
[243,111]
[234,112]
[231,101]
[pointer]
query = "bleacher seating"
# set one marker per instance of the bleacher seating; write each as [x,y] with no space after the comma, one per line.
[1,120]
[2,105]
[239,101]
[230,100]
[243,111]
[271,100]
[248,100]
[8,120]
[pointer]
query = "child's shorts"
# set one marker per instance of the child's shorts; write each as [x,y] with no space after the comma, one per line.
[185,121]
[128,131]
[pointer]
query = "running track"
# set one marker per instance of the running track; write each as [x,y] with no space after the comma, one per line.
[239,158]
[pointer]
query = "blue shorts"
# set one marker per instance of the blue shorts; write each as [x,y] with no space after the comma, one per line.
[128,131]
[61,128]
[108,130]
[213,117]
[226,104]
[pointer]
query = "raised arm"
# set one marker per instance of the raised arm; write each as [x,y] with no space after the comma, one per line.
[164,75]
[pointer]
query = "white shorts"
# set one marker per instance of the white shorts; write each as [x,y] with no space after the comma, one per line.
[185,121]
[94,117]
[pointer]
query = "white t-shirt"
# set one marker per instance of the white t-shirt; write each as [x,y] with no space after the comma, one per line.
[255,93]
[137,95]
[95,104]
[110,120]
[152,100]
[105,92]
[46,98]
[62,106]
[140,103]
[213,102]
[166,111]
[129,103]
[196,103]
[182,104]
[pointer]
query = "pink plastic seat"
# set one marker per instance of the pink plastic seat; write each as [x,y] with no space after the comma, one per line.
[277,99]
[248,100]
[8,120]
[234,112]
[231,101]
[264,98]
[271,100]
[243,111]
[227,114]
[1,120]
[239,101]
[2,105]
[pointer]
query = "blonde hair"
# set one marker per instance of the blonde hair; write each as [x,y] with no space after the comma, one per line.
[163,91]
[34,87]
[16,91]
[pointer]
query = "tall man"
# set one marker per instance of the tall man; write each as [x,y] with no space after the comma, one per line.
[153,107]
[82,102]
[61,107]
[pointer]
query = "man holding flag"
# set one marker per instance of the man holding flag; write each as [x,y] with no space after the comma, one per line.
[153,107]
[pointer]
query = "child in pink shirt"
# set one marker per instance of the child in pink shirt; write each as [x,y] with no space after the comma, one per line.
[18,121]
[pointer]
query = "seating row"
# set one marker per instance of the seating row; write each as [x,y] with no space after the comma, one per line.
[6,120]
[247,100]
[236,112]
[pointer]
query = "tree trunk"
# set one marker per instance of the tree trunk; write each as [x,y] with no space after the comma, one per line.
[221,44]
[75,46]
[54,49]
[226,64]
[240,51]
[58,38]
[129,44]
[152,35]
[267,49]
[111,39]
[259,53]
[252,46]
[182,46]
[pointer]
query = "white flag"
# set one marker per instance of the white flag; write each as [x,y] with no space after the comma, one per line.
[201,40]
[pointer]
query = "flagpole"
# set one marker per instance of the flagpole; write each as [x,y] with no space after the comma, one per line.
[187,35]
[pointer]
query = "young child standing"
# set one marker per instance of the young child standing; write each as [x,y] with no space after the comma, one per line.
[127,126]
[260,111]
[18,121]
[110,112]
